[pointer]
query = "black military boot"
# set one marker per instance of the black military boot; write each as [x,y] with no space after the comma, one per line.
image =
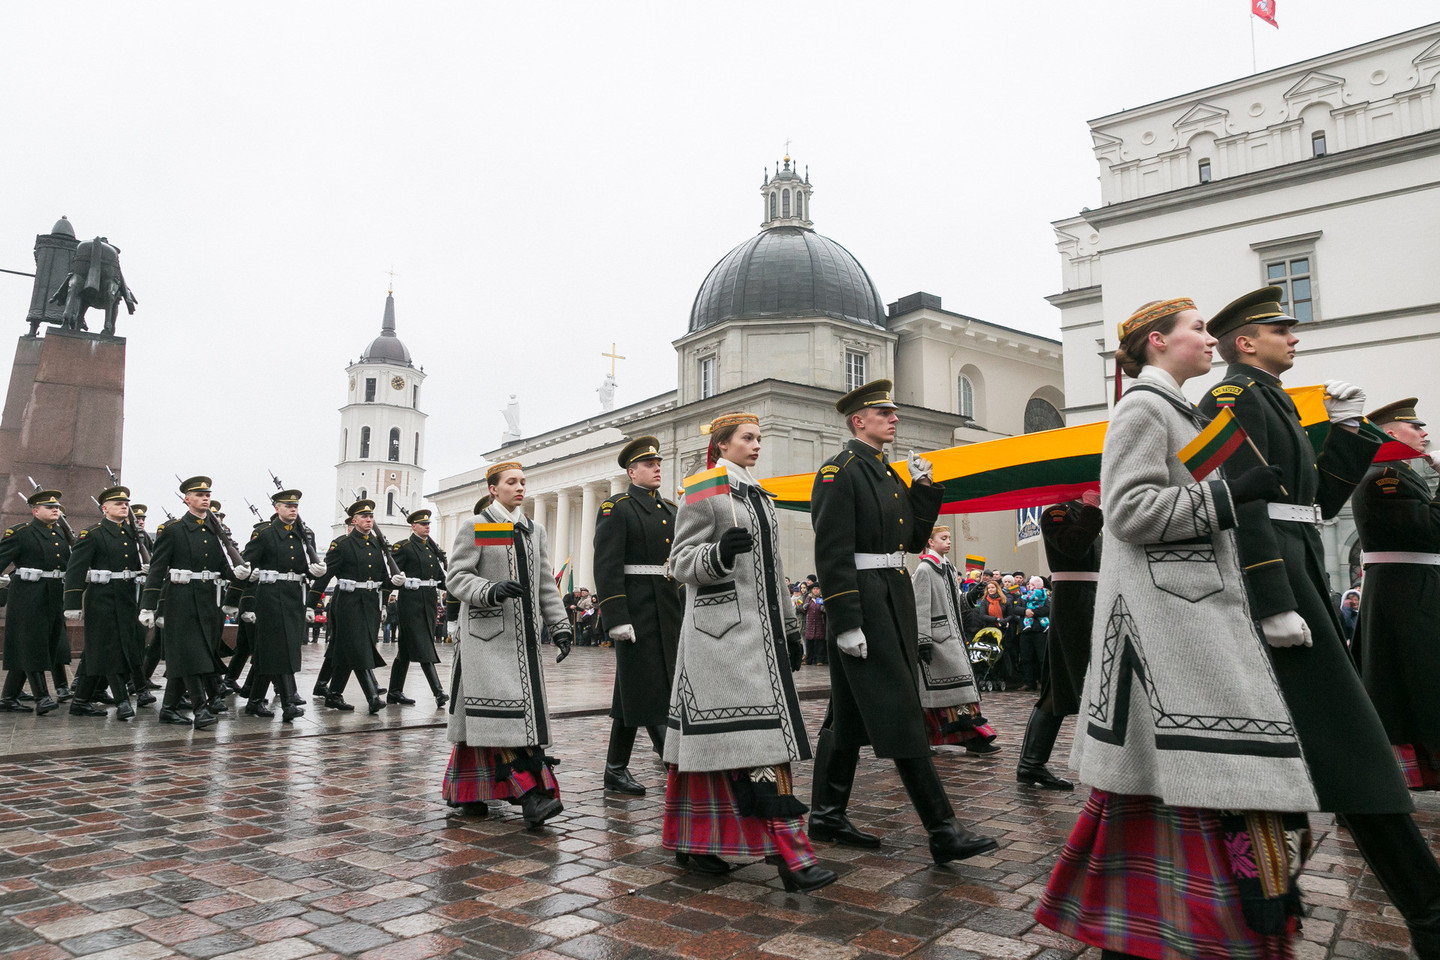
[433,678]
[85,708]
[537,806]
[617,760]
[372,693]
[43,703]
[170,711]
[1398,856]
[204,717]
[1040,734]
[948,839]
[121,693]
[830,795]
[290,708]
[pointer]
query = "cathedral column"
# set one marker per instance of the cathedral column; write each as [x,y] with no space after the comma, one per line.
[585,549]
[540,515]
[560,536]
[619,485]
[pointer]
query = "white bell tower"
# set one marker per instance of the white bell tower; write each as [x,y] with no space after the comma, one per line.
[382,433]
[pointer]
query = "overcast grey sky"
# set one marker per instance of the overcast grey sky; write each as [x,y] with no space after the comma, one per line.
[546,178]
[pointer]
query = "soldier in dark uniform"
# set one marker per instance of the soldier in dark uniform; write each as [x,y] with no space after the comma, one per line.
[1071,533]
[1398,519]
[150,658]
[357,566]
[100,582]
[422,561]
[1345,746]
[189,564]
[241,597]
[275,606]
[639,607]
[866,521]
[35,614]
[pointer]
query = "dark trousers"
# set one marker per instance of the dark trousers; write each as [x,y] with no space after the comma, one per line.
[87,687]
[177,687]
[152,652]
[401,665]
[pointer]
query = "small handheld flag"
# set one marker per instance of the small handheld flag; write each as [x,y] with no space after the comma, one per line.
[494,534]
[973,562]
[1214,445]
[710,483]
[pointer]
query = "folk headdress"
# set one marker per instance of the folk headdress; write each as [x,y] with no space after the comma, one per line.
[720,423]
[1144,317]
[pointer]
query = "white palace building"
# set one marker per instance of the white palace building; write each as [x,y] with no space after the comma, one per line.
[1322,177]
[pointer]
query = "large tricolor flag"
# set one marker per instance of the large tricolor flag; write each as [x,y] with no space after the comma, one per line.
[494,534]
[708,483]
[1214,445]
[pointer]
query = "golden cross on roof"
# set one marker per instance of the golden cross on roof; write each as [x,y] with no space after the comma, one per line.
[393,275]
[613,357]
[787,148]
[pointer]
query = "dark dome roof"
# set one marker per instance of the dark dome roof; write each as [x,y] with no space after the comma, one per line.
[63,228]
[787,272]
[387,347]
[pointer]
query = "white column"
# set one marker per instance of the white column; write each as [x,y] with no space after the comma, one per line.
[619,485]
[585,549]
[540,514]
[560,536]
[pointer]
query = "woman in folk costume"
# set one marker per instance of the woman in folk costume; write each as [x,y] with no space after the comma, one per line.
[499,720]
[734,719]
[1195,829]
[947,684]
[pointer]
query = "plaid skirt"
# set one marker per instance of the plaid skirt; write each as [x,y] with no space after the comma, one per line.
[957,725]
[702,815]
[1140,877]
[496,773]
[1420,766]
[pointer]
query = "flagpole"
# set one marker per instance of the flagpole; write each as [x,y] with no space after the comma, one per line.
[1253,67]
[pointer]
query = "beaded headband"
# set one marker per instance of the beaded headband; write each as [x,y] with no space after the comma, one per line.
[1150,314]
[498,468]
[728,420]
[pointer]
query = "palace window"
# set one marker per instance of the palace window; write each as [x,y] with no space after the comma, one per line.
[1317,144]
[415,396]
[785,203]
[364,443]
[1205,171]
[369,389]
[1042,415]
[707,376]
[967,397]
[854,370]
[772,205]
[1294,276]
[389,503]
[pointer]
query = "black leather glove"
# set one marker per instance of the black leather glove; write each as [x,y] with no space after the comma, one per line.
[506,589]
[797,652]
[1257,483]
[927,651]
[562,643]
[733,542]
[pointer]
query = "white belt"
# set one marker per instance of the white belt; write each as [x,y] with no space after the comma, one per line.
[274,576]
[34,574]
[647,570]
[1079,575]
[1294,512]
[105,576]
[1400,556]
[185,576]
[350,586]
[413,584]
[878,561]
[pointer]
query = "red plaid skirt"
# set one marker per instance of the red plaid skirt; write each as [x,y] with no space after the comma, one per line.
[1420,766]
[702,815]
[938,718]
[1140,877]
[472,775]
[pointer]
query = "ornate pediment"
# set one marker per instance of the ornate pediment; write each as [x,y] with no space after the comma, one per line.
[1203,116]
[1315,85]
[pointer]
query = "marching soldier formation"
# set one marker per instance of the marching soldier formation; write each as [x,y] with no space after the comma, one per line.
[1219,702]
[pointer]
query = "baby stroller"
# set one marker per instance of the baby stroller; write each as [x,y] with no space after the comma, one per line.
[986,649]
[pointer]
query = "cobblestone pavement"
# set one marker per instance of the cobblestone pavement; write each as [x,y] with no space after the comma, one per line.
[286,847]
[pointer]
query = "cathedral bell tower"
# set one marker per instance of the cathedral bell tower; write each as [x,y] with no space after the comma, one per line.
[787,198]
[382,433]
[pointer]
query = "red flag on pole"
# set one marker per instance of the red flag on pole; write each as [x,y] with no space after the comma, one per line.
[1265,10]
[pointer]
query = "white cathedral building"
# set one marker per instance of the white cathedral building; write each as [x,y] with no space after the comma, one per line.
[382,433]
[781,327]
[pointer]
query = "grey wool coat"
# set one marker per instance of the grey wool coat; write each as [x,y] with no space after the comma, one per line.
[499,679]
[733,703]
[1181,701]
[947,680]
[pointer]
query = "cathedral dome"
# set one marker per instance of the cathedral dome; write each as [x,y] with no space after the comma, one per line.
[387,347]
[787,270]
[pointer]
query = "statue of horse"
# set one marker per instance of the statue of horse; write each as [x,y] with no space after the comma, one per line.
[94,280]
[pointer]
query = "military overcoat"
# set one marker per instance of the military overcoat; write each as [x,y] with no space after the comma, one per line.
[112,608]
[1071,533]
[279,605]
[1345,746]
[859,504]
[354,620]
[636,528]
[193,621]
[35,637]
[1398,634]
[419,559]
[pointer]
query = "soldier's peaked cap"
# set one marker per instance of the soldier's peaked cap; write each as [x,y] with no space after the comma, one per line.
[195,485]
[285,496]
[1399,410]
[1257,306]
[44,498]
[359,507]
[138,509]
[641,448]
[876,393]
[114,493]
[420,516]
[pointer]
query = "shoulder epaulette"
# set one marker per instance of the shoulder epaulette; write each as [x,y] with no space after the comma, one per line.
[606,507]
[160,529]
[86,532]
[9,531]
[337,541]
[254,534]
[395,547]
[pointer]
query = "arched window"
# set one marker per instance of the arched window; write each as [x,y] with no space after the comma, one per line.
[345,444]
[395,444]
[800,204]
[772,204]
[1042,415]
[785,203]
[416,461]
[363,494]
[364,443]
[389,503]
[967,397]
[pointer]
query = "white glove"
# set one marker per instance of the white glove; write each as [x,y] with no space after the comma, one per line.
[317,570]
[1286,629]
[247,617]
[4,582]
[1343,401]
[398,580]
[852,643]
[74,616]
[626,631]
[309,614]
[384,615]
[160,622]
[229,611]
[147,618]
[144,569]
[242,571]
[920,468]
